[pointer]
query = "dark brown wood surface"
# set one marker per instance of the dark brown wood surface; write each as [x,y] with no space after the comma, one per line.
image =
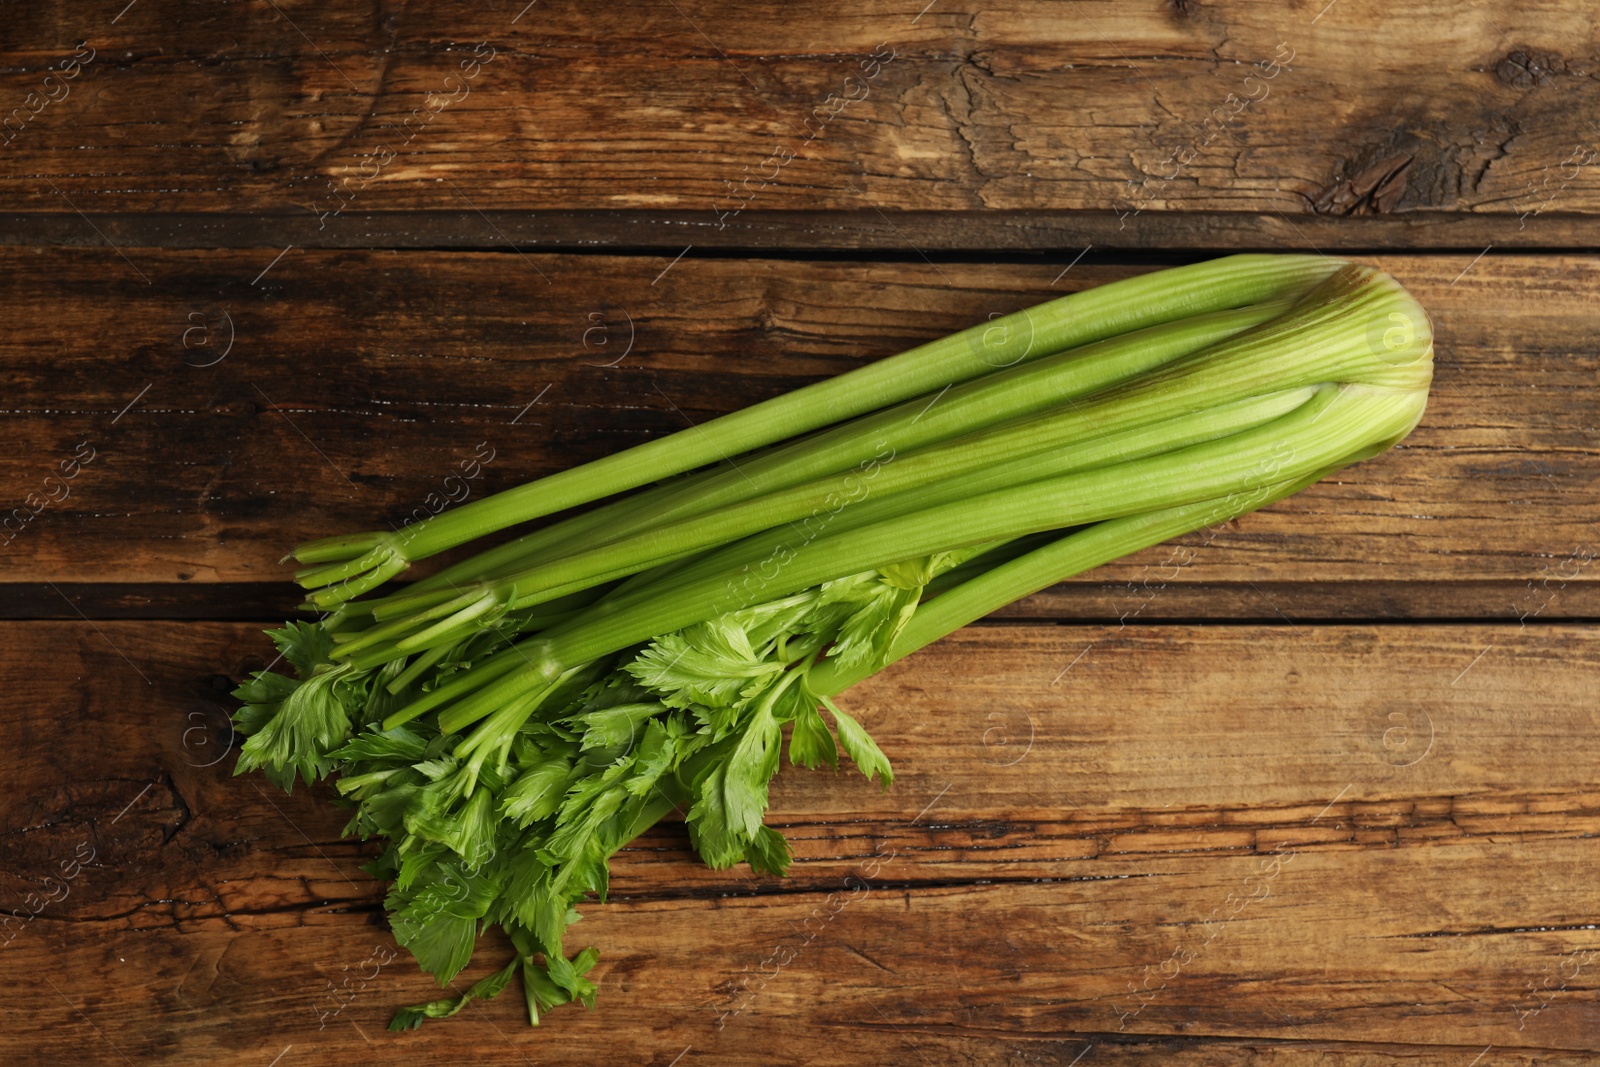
[242,419]
[1349,849]
[1265,108]
[1324,793]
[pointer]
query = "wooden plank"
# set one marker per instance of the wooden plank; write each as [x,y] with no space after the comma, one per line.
[905,235]
[1057,739]
[986,975]
[1237,106]
[1086,601]
[1371,841]
[241,403]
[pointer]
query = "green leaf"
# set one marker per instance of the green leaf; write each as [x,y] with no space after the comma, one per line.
[769,852]
[569,974]
[528,896]
[537,792]
[416,869]
[282,777]
[442,945]
[413,1017]
[717,723]
[551,914]
[665,744]
[577,824]
[444,887]
[541,992]
[473,839]
[265,687]
[306,727]
[715,836]
[466,829]
[263,694]
[484,989]
[810,740]
[866,636]
[435,911]
[365,785]
[384,812]
[750,767]
[860,747]
[764,623]
[709,663]
[732,797]
[582,964]
[614,727]
[399,745]
[437,769]
[917,573]
[911,574]
[304,644]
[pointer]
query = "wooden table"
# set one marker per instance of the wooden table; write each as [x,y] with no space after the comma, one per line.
[1316,787]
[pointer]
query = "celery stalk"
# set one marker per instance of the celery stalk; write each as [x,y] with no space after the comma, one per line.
[1067,322]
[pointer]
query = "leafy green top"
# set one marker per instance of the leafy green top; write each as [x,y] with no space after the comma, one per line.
[693,720]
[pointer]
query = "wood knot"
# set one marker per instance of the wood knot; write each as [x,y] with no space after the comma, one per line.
[1524,68]
[1376,188]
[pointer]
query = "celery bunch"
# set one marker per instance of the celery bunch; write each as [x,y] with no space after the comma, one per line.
[508,723]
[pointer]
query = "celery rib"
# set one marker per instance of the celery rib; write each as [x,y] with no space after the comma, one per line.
[1067,322]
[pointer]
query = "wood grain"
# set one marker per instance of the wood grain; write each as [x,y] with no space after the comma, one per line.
[1136,110]
[1372,831]
[904,236]
[1084,600]
[231,420]
[1313,788]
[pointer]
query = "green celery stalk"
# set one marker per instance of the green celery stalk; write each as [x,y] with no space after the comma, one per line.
[1358,327]
[1342,423]
[945,473]
[358,563]
[1082,550]
[994,399]
[1339,333]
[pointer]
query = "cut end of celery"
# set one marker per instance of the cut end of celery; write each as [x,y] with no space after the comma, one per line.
[337,549]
